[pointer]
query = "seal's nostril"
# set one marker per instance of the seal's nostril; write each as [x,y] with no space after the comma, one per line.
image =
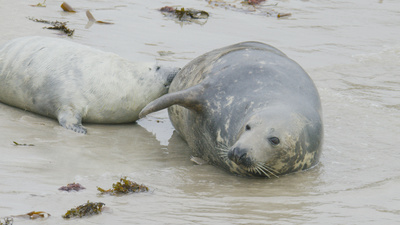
[242,157]
[239,156]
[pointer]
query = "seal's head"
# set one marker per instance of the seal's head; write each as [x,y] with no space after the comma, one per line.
[153,78]
[272,144]
[167,73]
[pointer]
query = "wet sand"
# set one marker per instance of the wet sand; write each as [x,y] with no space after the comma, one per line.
[352,52]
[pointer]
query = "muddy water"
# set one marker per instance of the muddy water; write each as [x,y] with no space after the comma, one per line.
[350,49]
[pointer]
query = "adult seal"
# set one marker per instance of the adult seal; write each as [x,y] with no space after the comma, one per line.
[75,83]
[247,108]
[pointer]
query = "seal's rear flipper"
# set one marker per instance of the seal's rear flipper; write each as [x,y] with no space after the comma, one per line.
[71,121]
[189,98]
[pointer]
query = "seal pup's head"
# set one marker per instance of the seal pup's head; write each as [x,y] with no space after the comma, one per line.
[153,77]
[167,73]
[274,142]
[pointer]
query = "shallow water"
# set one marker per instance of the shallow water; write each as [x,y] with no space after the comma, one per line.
[350,49]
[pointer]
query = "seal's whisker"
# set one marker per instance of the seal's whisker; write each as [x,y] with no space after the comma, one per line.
[263,172]
[252,169]
[223,156]
[223,150]
[267,169]
[256,170]
[222,146]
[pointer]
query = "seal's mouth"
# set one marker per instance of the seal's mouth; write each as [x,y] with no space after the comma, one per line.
[242,158]
[239,161]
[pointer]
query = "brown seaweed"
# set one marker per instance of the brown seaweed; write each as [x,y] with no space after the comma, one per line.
[62,26]
[87,209]
[124,186]
[253,2]
[92,19]
[34,215]
[37,214]
[72,187]
[250,7]
[185,15]
[67,8]
[18,144]
[40,4]
[282,15]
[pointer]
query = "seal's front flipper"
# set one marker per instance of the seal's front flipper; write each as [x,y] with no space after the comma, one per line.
[72,121]
[189,98]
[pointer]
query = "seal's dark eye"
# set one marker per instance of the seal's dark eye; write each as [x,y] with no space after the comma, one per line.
[248,127]
[274,140]
[158,68]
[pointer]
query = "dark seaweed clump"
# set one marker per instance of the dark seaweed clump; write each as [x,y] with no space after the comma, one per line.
[18,144]
[88,209]
[187,15]
[72,187]
[253,2]
[124,186]
[6,221]
[250,6]
[56,25]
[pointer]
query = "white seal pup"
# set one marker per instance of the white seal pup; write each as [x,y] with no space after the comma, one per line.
[74,83]
[247,108]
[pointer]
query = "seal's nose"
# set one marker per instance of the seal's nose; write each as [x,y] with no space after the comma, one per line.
[240,156]
[171,73]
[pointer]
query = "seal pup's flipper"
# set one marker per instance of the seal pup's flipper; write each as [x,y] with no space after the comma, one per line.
[71,120]
[188,98]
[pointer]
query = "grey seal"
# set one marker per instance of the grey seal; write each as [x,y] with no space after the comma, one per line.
[74,83]
[248,109]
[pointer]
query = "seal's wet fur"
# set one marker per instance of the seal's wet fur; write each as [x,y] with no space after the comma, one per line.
[247,108]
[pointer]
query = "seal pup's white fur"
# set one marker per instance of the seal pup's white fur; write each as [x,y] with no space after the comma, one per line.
[74,83]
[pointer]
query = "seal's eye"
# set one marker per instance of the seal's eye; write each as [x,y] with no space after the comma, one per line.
[248,127]
[158,68]
[274,140]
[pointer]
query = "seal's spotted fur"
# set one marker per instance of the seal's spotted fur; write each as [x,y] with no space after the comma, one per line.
[247,108]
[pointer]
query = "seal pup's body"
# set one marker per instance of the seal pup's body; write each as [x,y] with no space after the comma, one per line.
[247,108]
[74,83]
